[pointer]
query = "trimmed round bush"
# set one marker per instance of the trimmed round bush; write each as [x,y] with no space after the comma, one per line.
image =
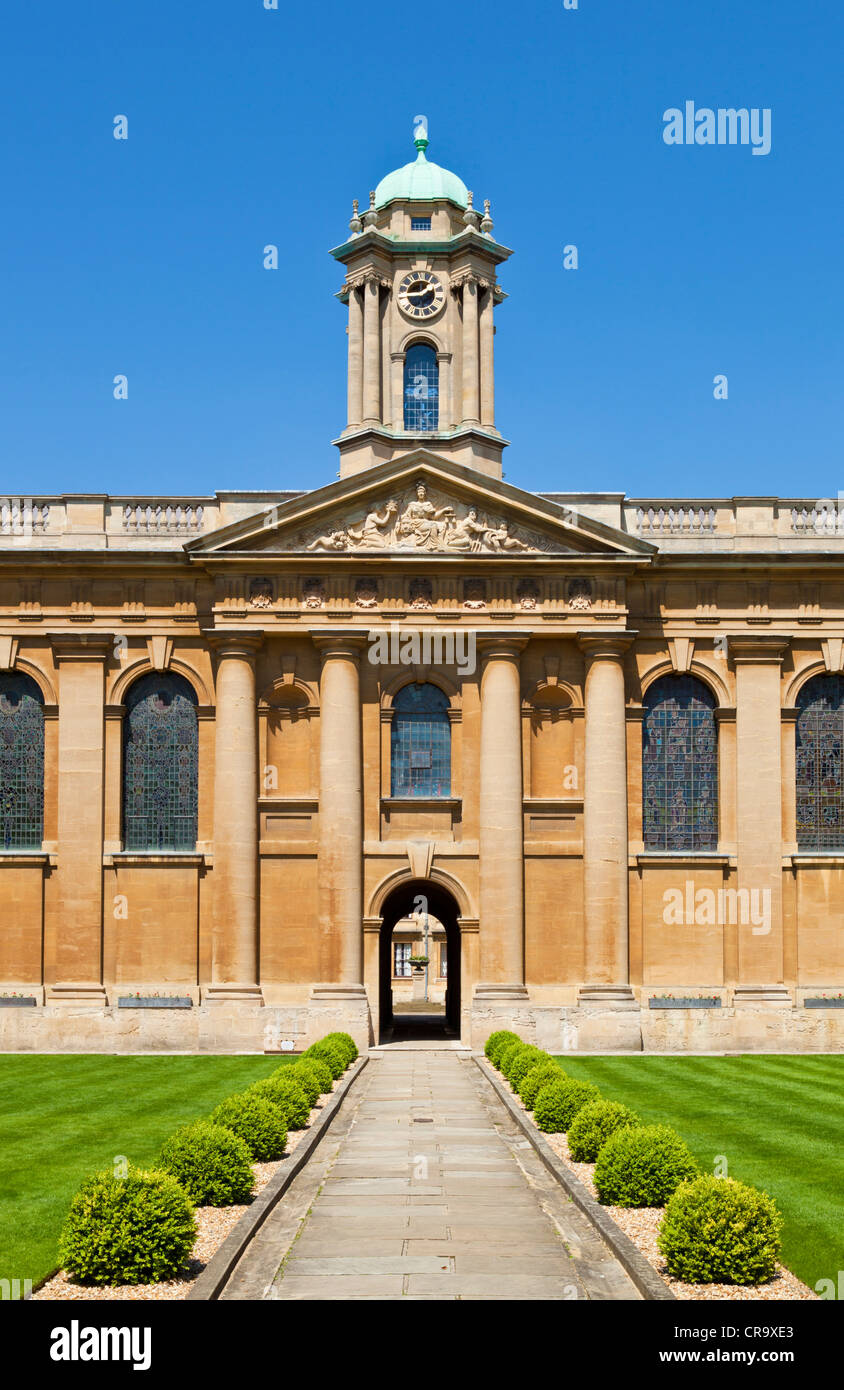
[522,1063]
[329,1053]
[496,1042]
[345,1043]
[212,1164]
[304,1074]
[256,1121]
[320,1069]
[507,1056]
[719,1231]
[134,1230]
[541,1074]
[642,1166]
[593,1125]
[557,1103]
[288,1096]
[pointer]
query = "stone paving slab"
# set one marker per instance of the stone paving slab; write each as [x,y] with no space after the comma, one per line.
[456,1208]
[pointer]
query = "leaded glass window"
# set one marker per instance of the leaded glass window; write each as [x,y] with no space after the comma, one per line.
[820,734]
[160,759]
[421,389]
[21,762]
[679,766]
[420,749]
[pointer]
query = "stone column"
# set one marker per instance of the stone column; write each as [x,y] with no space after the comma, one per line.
[501,829]
[471,407]
[447,409]
[397,389]
[340,847]
[487,331]
[759,821]
[607,979]
[372,351]
[355,382]
[77,963]
[234,944]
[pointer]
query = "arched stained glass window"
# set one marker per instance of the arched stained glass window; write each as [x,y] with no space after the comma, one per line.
[420,748]
[21,762]
[820,735]
[160,759]
[679,766]
[421,389]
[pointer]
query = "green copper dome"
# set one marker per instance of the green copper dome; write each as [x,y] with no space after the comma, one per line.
[421,181]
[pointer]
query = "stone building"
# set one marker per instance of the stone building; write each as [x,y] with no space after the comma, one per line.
[242,735]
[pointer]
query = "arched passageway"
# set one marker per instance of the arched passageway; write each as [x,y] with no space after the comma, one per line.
[419,896]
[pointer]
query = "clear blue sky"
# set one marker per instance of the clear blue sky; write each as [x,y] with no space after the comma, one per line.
[249,126]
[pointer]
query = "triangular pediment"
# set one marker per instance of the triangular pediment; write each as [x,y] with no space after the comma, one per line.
[420,505]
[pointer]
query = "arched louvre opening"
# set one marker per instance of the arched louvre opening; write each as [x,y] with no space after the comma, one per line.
[160,765]
[679,766]
[21,762]
[820,737]
[420,745]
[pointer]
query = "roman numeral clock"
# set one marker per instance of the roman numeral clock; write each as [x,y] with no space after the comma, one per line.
[421,295]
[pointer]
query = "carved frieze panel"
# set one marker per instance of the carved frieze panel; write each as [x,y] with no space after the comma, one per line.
[424,520]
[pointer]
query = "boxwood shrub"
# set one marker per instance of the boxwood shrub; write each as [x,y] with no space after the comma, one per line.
[507,1055]
[345,1043]
[522,1063]
[541,1074]
[557,1103]
[642,1166]
[287,1094]
[320,1069]
[255,1120]
[304,1074]
[134,1230]
[329,1053]
[211,1163]
[719,1231]
[496,1042]
[593,1125]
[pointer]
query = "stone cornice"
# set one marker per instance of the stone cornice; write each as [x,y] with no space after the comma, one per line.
[758,648]
[81,646]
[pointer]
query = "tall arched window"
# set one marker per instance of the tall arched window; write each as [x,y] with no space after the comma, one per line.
[820,735]
[679,766]
[160,760]
[21,762]
[421,389]
[420,748]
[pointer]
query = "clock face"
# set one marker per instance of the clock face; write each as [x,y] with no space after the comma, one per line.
[421,295]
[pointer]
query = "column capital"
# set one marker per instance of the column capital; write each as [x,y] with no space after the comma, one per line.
[234,643]
[607,646]
[757,648]
[334,641]
[82,646]
[503,644]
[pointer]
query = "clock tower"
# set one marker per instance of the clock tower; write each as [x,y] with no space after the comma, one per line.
[421,288]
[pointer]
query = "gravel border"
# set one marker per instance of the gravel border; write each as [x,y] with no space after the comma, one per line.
[222,1232]
[214,1277]
[645,1278]
[635,1227]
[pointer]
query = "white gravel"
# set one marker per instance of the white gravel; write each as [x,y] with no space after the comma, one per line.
[641,1225]
[214,1224]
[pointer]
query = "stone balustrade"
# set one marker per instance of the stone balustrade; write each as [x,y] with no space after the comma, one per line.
[92,521]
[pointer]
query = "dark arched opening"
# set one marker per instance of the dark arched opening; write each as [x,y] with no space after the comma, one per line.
[417,895]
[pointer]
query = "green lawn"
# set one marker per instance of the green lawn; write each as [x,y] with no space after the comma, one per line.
[778,1120]
[64,1117]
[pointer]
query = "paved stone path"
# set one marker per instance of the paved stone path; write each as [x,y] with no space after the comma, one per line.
[424,1188]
